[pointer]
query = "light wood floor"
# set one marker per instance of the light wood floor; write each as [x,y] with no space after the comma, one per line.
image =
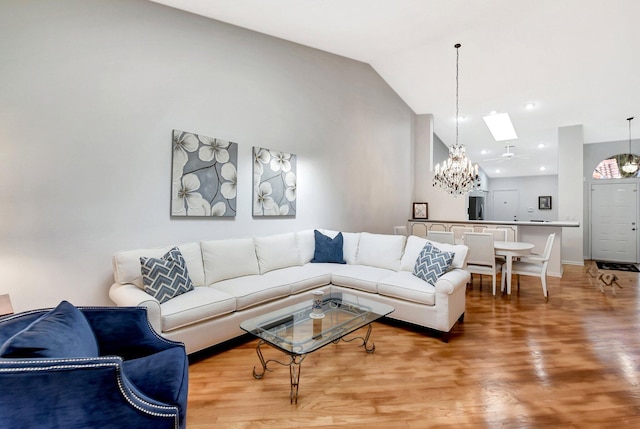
[573,362]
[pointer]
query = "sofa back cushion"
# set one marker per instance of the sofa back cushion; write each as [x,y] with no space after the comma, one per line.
[380,250]
[126,264]
[416,244]
[306,245]
[277,251]
[350,242]
[228,259]
[63,332]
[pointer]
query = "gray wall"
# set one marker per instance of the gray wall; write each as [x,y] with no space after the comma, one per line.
[89,95]
[530,188]
[440,151]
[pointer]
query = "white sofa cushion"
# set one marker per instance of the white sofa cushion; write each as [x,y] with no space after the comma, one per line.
[416,244]
[306,245]
[126,264]
[300,279]
[349,246]
[277,251]
[405,286]
[253,290]
[228,259]
[360,277]
[380,250]
[199,304]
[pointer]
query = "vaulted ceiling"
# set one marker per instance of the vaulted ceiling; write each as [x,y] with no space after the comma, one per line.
[576,61]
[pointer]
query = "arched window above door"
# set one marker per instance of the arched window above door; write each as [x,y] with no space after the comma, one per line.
[617,167]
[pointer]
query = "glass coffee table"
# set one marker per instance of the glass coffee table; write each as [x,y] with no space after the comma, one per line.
[297,330]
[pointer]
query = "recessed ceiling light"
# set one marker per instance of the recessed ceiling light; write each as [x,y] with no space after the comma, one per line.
[530,106]
[540,145]
[500,126]
[543,168]
[497,171]
[484,152]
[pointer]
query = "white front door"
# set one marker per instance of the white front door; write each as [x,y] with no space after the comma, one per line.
[614,217]
[505,204]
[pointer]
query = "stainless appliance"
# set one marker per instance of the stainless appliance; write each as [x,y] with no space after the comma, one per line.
[476,208]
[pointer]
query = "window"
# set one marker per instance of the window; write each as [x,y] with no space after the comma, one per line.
[610,168]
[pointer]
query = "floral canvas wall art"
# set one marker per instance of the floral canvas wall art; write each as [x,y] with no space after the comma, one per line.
[274,183]
[204,176]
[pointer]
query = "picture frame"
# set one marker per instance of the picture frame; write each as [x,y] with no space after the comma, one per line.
[544,202]
[420,210]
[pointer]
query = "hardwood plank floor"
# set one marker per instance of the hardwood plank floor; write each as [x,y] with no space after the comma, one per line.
[573,362]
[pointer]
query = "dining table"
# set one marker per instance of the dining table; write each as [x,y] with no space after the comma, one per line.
[510,250]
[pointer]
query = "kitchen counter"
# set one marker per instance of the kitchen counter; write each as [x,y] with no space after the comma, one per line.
[526,231]
[556,223]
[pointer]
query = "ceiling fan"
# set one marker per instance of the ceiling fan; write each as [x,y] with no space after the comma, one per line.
[507,155]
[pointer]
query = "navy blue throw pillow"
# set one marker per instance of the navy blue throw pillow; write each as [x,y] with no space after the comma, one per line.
[328,249]
[61,333]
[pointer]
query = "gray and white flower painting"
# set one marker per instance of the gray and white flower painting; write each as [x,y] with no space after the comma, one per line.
[274,183]
[204,177]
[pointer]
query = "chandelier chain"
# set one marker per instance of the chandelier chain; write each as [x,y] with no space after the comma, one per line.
[457,89]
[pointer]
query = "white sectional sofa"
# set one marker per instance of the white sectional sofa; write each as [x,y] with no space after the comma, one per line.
[237,279]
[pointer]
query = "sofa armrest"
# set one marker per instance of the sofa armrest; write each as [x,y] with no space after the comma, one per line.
[77,393]
[452,280]
[130,295]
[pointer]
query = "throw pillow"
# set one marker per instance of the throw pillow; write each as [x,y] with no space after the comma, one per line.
[328,249]
[167,277]
[63,332]
[432,263]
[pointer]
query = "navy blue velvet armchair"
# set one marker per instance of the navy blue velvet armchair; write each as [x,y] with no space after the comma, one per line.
[129,377]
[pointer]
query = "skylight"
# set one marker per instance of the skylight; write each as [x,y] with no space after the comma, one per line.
[500,126]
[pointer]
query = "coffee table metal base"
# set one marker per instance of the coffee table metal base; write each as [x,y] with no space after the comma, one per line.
[295,361]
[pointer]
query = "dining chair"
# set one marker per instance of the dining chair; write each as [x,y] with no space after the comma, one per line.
[441,236]
[534,265]
[499,234]
[400,230]
[481,256]
[459,231]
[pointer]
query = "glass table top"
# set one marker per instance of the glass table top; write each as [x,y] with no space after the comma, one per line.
[297,330]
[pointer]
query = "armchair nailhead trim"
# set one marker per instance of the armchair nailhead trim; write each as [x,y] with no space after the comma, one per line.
[173,413]
[126,392]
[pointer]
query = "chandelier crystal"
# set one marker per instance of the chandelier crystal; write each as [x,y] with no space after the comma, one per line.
[456,176]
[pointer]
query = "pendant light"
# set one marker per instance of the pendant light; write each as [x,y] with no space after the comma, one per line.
[631,165]
[457,175]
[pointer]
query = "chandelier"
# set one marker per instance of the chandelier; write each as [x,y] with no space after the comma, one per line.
[631,165]
[457,175]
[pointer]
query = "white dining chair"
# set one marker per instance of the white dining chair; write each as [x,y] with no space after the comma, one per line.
[534,265]
[481,256]
[400,230]
[441,236]
[459,231]
[499,234]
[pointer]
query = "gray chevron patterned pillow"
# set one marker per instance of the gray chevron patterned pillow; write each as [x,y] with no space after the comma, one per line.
[432,263]
[167,277]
